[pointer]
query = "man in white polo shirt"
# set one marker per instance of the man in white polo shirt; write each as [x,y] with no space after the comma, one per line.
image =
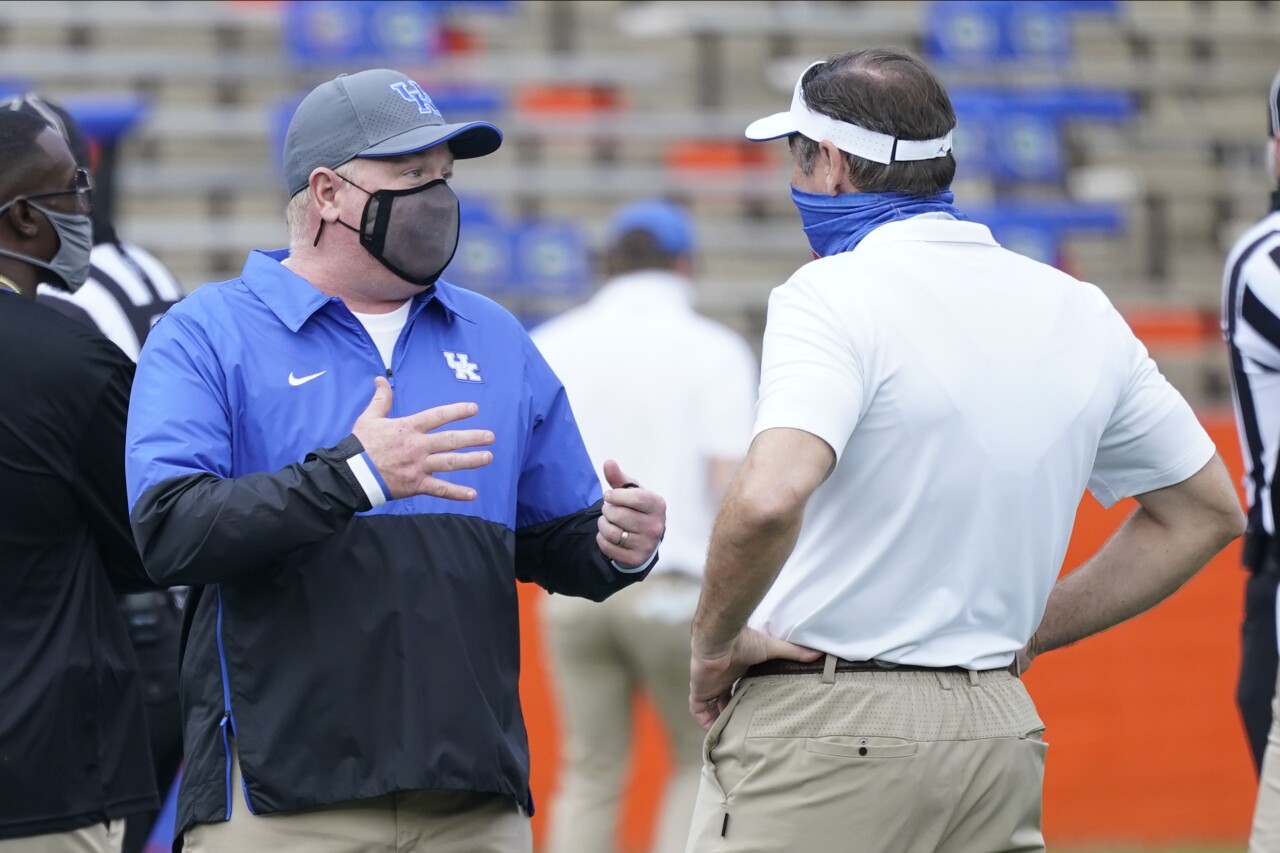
[694,380]
[931,409]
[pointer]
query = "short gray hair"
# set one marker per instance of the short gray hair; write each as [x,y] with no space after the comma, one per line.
[295,212]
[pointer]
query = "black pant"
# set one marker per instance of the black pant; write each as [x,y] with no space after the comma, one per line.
[1258,661]
[154,626]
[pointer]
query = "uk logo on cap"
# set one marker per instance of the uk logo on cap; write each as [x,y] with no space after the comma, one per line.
[413,93]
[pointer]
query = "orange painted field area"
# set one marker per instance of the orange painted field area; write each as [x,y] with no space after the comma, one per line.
[1146,744]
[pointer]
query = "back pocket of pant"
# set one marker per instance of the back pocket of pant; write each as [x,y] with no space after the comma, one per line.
[862,747]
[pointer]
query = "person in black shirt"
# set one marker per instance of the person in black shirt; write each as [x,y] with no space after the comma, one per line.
[73,754]
[126,292]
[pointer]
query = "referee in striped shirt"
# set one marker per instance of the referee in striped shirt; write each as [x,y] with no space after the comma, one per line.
[1251,325]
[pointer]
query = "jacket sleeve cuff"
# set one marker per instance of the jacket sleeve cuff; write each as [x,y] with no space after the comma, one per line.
[352,464]
[369,480]
[645,566]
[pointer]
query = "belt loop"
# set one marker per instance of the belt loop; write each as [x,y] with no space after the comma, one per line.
[829,670]
[973,678]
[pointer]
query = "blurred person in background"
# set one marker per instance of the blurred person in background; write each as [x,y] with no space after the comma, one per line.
[351,668]
[126,292]
[932,406]
[1251,325]
[74,761]
[676,403]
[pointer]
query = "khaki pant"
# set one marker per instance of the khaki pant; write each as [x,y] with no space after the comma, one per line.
[99,838]
[601,655]
[1265,837]
[406,822]
[892,762]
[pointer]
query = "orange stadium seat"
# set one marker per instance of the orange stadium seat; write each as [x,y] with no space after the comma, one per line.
[568,99]
[697,155]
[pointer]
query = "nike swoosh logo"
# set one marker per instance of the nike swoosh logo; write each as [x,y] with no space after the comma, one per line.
[299,380]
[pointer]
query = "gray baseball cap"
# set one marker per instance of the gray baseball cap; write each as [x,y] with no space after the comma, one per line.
[375,113]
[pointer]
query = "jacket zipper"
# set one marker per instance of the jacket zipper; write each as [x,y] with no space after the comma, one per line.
[228,717]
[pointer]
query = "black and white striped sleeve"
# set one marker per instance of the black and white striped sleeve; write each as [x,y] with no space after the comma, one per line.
[1257,301]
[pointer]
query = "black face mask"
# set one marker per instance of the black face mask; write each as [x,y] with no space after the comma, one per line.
[413,232]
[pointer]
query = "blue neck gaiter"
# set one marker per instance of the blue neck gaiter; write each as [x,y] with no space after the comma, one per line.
[836,224]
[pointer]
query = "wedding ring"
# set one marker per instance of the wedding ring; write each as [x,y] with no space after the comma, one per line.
[622,540]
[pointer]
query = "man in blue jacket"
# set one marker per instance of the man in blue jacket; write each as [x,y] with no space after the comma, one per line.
[352,648]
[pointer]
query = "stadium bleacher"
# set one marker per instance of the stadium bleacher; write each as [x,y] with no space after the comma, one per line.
[1141,117]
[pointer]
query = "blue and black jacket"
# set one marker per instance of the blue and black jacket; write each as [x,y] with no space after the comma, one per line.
[351,650]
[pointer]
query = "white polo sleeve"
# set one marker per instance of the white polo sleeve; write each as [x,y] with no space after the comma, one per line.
[1152,439]
[811,372]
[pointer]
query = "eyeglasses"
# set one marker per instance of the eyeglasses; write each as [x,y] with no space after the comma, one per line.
[83,192]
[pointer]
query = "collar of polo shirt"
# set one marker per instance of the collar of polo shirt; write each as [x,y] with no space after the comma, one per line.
[848,137]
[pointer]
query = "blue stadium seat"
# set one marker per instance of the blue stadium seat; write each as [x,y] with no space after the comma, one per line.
[468,103]
[1090,7]
[964,32]
[1007,138]
[496,6]
[1026,237]
[339,32]
[992,32]
[532,318]
[1036,32]
[106,118]
[1076,216]
[280,114]
[976,127]
[551,259]
[10,86]
[1037,229]
[483,262]
[1016,135]
[1075,102]
[1028,147]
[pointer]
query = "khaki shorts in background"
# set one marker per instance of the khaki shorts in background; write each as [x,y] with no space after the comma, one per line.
[601,655]
[874,762]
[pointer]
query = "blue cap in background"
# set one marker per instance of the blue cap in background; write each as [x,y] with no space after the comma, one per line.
[668,223]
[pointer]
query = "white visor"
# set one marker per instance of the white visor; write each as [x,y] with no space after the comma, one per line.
[858,141]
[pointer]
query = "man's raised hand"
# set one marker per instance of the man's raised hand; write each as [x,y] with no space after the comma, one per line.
[632,521]
[408,456]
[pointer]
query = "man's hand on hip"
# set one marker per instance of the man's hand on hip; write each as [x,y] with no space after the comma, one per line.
[408,456]
[632,522]
[712,672]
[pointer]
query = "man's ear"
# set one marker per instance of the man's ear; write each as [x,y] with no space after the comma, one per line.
[833,168]
[21,218]
[324,184]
